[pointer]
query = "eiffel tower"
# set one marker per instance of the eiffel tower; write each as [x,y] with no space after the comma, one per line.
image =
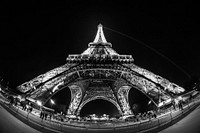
[100,73]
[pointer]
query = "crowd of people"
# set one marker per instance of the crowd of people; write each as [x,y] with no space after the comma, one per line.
[177,104]
[143,116]
[44,115]
[26,106]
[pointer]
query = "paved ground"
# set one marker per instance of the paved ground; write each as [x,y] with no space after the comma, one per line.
[10,124]
[190,124]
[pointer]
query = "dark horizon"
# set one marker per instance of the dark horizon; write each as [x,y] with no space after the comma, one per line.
[37,37]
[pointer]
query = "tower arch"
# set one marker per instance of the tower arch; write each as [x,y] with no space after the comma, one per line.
[76,93]
[139,101]
[61,99]
[100,106]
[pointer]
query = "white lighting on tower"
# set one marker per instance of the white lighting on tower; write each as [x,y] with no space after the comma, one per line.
[39,103]
[52,101]
[100,35]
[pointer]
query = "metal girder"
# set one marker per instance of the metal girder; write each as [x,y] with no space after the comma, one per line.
[94,73]
[123,99]
[76,95]
[87,72]
[32,84]
[111,99]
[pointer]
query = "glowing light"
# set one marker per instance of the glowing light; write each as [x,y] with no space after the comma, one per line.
[39,103]
[168,100]
[164,102]
[19,97]
[52,101]
[100,35]
[160,104]
[180,98]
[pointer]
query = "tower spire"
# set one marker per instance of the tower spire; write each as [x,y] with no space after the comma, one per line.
[100,38]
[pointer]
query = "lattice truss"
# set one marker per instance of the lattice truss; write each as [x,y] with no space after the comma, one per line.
[100,61]
[143,79]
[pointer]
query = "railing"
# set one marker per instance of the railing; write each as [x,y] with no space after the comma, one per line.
[162,120]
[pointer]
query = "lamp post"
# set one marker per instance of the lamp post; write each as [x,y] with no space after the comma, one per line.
[52,102]
[39,103]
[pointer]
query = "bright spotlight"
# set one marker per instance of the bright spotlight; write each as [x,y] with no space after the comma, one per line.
[39,103]
[52,101]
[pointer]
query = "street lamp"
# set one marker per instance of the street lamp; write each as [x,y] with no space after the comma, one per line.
[39,103]
[52,102]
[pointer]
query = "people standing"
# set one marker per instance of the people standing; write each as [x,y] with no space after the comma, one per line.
[45,116]
[180,104]
[50,115]
[42,115]
[174,104]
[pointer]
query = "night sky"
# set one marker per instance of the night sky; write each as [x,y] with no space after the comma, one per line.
[37,36]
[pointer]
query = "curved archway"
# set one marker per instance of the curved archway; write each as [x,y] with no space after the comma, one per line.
[62,99]
[139,102]
[99,107]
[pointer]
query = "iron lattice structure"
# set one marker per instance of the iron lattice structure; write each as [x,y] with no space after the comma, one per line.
[100,73]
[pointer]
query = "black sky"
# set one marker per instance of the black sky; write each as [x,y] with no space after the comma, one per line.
[37,36]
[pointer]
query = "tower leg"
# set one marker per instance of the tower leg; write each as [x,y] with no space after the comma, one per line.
[76,95]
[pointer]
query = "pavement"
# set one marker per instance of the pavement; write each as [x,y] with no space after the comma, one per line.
[190,124]
[10,124]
